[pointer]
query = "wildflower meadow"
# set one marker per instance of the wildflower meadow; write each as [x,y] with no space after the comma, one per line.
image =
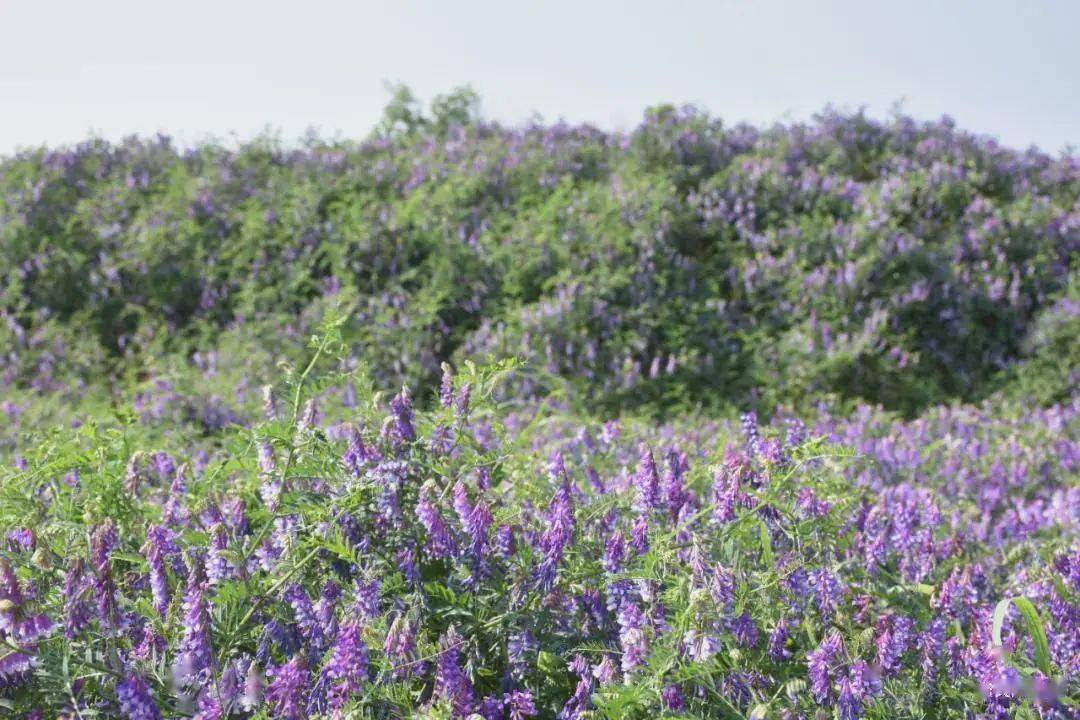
[463,421]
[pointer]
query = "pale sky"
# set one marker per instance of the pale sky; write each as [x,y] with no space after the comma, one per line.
[197,69]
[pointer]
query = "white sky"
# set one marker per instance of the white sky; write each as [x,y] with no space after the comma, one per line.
[196,69]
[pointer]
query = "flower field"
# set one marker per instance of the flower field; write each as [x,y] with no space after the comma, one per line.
[465,421]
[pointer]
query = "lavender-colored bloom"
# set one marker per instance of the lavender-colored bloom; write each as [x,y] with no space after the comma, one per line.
[254,688]
[193,661]
[164,466]
[797,433]
[579,702]
[778,651]
[304,611]
[520,651]
[269,406]
[446,387]
[218,568]
[893,638]
[440,541]
[11,596]
[632,638]
[367,599]
[614,553]
[132,475]
[750,430]
[461,404]
[174,513]
[745,631]
[639,536]
[151,645]
[159,545]
[451,684]
[848,703]
[270,487]
[819,665]
[672,698]
[828,592]
[606,671]
[102,543]
[399,647]
[701,647]
[674,490]
[357,454]
[520,705]
[77,611]
[134,698]
[209,708]
[505,544]
[726,495]
[646,482]
[558,534]
[722,588]
[475,519]
[402,410]
[287,693]
[21,539]
[347,668]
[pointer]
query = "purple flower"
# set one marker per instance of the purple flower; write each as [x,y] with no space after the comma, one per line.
[102,543]
[520,649]
[614,553]
[402,410]
[348,666]
[288,690]
[157,548]
[505,544]
[399,647]
[367,599]
[778,651]
[218,568]
[520,704]
[750,430]
[209,708]
[270,487]
[579,702]
[827,591]
[306,421]
[174,513]
[632,638]
[558,534]
[639,536]
[461,404]
[440,541]
[722,588]
[475,519]
[647,482]
[849,703]
[745,631]
[21,539]
[672,698]
[193,661]
[77,611]
[134,698]
[269,406]
[819,665]
[446,387]
[304,612]
[451,684]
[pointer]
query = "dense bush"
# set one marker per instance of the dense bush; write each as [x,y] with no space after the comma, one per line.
[684,263]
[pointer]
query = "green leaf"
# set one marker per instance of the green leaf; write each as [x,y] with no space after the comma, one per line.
[1034,628]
